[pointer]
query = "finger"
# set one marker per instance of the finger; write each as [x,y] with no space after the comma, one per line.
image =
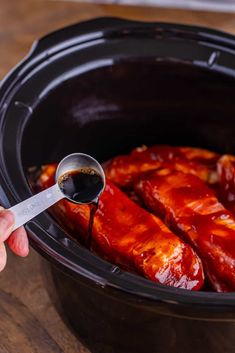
[18,242]
[6,224]
[3,256]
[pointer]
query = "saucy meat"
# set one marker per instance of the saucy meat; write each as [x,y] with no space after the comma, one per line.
[191,209]
[131,237]
[124,170]
[189,190]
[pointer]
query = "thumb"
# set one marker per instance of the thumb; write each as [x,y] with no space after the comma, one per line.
[6,224]
[3,256]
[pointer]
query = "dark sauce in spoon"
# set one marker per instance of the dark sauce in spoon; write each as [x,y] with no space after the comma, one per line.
[83,186]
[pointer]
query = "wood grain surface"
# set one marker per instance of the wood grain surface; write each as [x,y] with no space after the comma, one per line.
[28,321]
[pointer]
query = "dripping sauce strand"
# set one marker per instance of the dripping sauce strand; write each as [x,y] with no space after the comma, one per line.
[83,186]
[93,208]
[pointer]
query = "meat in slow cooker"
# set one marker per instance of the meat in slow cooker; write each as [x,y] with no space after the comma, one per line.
[172,228]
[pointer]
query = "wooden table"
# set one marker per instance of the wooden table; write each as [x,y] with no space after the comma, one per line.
[28,320]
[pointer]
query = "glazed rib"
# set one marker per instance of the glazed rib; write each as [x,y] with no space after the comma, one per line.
[190,208]
[124,170]
[131,237]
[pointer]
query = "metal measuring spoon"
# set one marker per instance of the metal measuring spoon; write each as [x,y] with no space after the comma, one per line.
[76,162]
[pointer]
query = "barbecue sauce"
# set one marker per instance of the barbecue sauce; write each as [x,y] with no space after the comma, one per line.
[83,186]
[93,209]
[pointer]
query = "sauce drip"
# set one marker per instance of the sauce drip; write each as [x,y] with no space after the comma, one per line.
[93,209]
[83,186]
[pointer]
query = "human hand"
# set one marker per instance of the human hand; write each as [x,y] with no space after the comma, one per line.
[17,240]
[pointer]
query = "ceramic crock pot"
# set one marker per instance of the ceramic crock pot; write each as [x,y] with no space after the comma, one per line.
[103,87]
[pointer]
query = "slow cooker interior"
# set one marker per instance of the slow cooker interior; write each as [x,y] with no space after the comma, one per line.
[109,110]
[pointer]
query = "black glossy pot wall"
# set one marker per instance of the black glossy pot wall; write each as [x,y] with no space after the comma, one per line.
[103,87]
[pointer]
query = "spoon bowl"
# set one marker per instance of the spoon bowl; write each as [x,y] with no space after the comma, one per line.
[73,164]
[86,165]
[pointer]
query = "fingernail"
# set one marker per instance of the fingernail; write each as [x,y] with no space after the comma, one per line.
[6,220]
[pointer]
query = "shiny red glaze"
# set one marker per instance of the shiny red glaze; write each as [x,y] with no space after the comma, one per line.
[226,173]
[191,209]
[123,170]
[131,237]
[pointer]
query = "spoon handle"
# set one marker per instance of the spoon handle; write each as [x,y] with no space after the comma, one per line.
[31,207]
